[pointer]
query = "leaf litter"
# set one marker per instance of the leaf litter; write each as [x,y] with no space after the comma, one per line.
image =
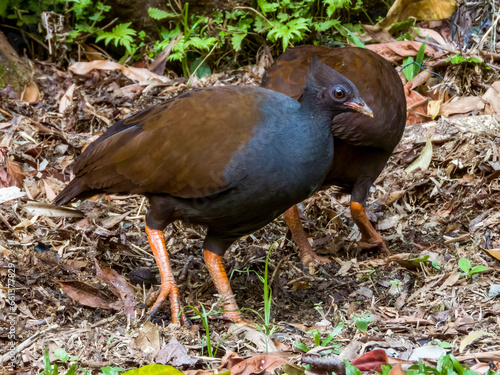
[442,210]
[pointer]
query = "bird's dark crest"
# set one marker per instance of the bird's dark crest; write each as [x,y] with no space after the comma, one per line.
[321,76]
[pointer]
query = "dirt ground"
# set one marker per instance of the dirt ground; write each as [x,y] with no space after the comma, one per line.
[447,212]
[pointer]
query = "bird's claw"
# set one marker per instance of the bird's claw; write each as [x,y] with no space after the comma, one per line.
[169,290]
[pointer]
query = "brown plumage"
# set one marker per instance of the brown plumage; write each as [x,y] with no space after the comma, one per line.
[362,144]
[231,158]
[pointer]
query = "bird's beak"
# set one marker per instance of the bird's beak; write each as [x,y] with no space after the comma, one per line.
[361,107]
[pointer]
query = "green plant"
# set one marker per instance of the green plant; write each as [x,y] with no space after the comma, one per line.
[425,259]
[459,59]
[465,265]
[194,38]
[203,315]
[361,321]
[412,66]
[63,356]
[318,341]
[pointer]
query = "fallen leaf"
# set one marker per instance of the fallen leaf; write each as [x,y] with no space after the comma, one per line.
[396,370]
[176,355]
[433,108]
[257,365]
[31,94]
[424,10]
[118,286]
[87,295]
[45,209]
[67,99]
[492,97]
[397,51]
[9,193]
[371,361]
[471,337]
[427,352]
[462,105]
[424,159]
[148,338]
[136,74]
[493,252]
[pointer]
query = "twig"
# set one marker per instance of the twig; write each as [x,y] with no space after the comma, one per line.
[6,357]
[200,64]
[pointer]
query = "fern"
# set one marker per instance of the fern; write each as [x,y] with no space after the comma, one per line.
[160,14]
[121,35]
[290,32]
[333,5]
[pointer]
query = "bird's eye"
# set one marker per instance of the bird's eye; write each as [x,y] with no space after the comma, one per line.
[339,93]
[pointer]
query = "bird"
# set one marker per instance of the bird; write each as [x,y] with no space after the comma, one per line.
[362,144]
[231,158]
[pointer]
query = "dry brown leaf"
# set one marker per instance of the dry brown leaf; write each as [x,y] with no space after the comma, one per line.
[67,99]
[493,252]
[397,51]
[257,365]
[118,286]
[87,295]
[149,338]
[91,53]
[14,172]
[136,74]
[31,93]
[433,35]
[425,10]
[378,34]
[462,105]
[492,97]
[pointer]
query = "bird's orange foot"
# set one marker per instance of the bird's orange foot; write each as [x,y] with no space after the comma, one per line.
[310,258]
[235,317]
[157,299]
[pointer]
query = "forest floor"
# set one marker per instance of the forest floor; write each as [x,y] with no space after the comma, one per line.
[416,297]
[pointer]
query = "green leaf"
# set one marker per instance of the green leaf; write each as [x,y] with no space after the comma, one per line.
[72,369]
[464,265]
[301,346]
[267,7]
[112,370]
[351,369]
[408,70]
[3,8]
[61,355]
[236,40]
[478,269]
[160,14]
[325,25]
[334,5]
[121,35]
[203,70]
[154,370]
[46,361]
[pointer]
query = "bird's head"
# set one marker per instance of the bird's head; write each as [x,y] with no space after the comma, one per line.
[328,89]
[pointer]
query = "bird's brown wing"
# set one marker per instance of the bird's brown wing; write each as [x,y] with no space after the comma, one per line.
[181,147]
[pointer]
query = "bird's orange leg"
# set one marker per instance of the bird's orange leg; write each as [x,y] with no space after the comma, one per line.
[219,277]
[306,252]
[369,237]
[168,286]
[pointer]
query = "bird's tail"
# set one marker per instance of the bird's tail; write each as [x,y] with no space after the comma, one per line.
[76,187]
